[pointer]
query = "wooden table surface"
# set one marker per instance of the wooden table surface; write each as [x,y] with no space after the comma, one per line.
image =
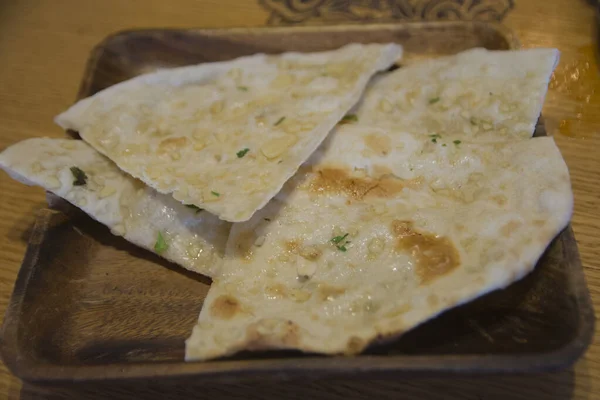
[44,45]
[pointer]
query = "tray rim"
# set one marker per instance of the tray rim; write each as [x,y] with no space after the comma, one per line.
[269,369]
[97,51]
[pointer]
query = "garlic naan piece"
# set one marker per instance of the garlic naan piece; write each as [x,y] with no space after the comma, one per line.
[482,94]
[226,136]
[345,256]
[74,171]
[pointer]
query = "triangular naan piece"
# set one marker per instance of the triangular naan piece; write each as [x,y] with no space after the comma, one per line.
[346,255]
[476,94]
[73,170]
[226,136]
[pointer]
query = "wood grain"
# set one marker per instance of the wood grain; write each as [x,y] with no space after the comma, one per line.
[44,46]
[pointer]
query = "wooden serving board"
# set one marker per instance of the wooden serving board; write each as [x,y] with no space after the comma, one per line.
[90,306]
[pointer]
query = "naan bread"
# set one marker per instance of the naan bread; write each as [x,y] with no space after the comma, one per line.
[476,94]
[226,136]
[347,255]
[191,238]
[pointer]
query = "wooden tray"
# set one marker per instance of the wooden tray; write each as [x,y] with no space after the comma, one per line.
[88,305]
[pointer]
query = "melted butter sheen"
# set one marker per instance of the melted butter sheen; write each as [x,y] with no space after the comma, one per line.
[578,80]
[434,256]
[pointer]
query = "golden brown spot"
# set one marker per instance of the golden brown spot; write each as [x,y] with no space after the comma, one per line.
[300,296]
[433,300]
[291,336]
[276,291]
[379,171]
[327,292]
[434,256]
[460,228]
[293,245]
[403,309]
[311,253]
[499,199]
[171,145]
[380,144]
[336,180]
[468,242]
[243,245]
[538,223]
[355,345]
[509,228]
[271,332]
[224,307]
[516,253]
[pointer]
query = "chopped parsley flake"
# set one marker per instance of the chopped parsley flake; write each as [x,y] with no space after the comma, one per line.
[215,193]
[279,121]
[339,239]
[349,118]
[194,207]
[444,145]
[79,175]
[456,142]
[242,152]
[267,219]
[161,245]
[434,100]
[243,88]
[435,137]
[473,121]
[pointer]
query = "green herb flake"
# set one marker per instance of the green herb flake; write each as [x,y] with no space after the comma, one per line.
[434,100]
[473,121]
[434,140]
[435,137]
[79,175]
[279,121]
[444,145]
[243,88]
[267,219]
[194,207]
[349,118]
[457,142]
[242,152]
[161,245]
[215,193]
[338,239]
